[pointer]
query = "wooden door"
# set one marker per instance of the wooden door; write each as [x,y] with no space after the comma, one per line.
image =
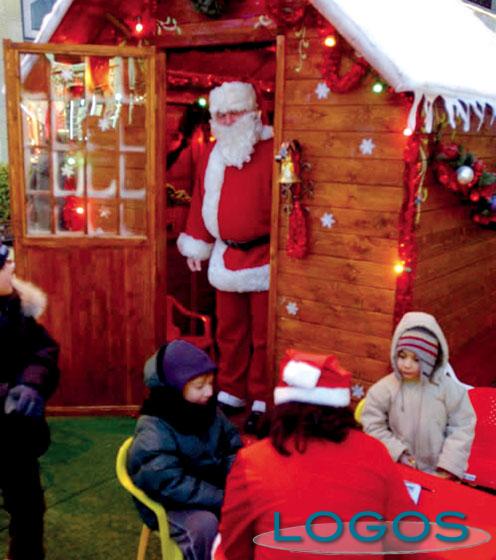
[86,152]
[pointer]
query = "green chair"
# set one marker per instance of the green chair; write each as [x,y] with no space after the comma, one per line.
[170,550]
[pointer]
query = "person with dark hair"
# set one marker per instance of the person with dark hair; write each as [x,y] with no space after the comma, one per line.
[422,415]
[314,460]
[183,446]
[28,376]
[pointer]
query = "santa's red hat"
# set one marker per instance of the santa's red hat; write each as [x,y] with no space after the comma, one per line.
[232,96]
[312,379]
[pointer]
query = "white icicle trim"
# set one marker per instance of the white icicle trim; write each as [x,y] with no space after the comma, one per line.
[193,248]
[455,108]
[254,279]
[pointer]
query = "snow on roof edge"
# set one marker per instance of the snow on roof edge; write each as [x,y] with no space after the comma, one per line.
[456,105]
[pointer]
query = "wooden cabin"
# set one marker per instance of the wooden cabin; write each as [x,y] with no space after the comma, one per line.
[94,108]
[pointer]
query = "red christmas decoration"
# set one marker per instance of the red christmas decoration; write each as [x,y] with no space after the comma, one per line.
[407,248]
[286,13]
[290,158]
[462,173]
[331,65]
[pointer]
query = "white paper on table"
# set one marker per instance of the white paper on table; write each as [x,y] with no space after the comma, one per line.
[414,490]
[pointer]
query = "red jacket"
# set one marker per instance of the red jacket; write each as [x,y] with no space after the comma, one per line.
[345,478]
[232,204]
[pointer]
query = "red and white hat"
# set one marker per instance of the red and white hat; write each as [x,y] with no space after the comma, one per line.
[312,379]
[232,96]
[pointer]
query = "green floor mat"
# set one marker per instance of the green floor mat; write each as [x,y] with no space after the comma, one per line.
[89,515]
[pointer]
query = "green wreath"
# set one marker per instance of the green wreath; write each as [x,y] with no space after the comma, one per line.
[211,8]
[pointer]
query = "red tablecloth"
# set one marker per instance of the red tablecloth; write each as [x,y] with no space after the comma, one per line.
[438,495]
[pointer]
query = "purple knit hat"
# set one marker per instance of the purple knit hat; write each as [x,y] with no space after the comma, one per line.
[179,362]
[423,344]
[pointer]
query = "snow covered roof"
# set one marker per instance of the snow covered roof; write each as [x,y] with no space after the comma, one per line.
[435,48]
[431,47]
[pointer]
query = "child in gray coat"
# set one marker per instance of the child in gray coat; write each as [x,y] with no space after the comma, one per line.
[183,446]
[422,415]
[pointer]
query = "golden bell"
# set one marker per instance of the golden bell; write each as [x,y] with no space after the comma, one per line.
[287,174]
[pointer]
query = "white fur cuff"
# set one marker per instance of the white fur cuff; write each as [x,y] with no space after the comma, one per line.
[193,248]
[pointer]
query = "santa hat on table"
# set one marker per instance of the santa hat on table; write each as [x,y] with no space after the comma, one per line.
[312,379]
[232,96]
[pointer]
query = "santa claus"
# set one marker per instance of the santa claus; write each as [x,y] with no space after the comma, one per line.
[229,223]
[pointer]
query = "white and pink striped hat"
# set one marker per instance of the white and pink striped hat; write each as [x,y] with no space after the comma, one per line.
[423,344]
[312,379]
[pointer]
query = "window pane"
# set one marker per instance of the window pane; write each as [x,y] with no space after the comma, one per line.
[84,137]
[133,218]
[38,214]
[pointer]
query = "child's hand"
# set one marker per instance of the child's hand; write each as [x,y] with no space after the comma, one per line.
[24,400]
[406,458]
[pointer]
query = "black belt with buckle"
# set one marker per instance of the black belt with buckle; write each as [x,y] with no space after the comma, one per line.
[247,245]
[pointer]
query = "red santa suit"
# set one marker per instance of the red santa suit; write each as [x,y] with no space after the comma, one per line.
[233,206]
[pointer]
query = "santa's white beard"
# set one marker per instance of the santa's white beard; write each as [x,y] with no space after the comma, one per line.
[236,142]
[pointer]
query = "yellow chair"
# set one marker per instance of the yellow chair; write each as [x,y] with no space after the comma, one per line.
[170,550]
[358,411]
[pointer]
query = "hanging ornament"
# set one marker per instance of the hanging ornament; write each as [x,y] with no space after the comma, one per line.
[465,175]
[293,189]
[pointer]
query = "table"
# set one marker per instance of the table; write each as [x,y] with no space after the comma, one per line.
[439,495]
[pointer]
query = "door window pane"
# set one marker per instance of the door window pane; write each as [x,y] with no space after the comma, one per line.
[84,137]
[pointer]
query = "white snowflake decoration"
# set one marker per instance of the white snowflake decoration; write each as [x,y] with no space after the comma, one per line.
[327,220]
[367,146]
[104,124]
[322,90]
[292,308]
[104,212]
[66,74]
[357,391]
[67,170]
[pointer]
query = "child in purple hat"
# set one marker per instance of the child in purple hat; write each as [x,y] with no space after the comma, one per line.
[183,446]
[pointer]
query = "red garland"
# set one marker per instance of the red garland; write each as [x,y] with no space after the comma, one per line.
[297,243]
[407,247]
[331,65]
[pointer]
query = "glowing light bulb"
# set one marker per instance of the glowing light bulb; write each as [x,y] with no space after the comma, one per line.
[202,102]
[138,27]
[407,132]
[378,87]
[80,210]
[330,41]
[71,160]
[399,267]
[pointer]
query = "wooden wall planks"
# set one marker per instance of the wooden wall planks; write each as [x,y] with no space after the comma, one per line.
[457,258]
